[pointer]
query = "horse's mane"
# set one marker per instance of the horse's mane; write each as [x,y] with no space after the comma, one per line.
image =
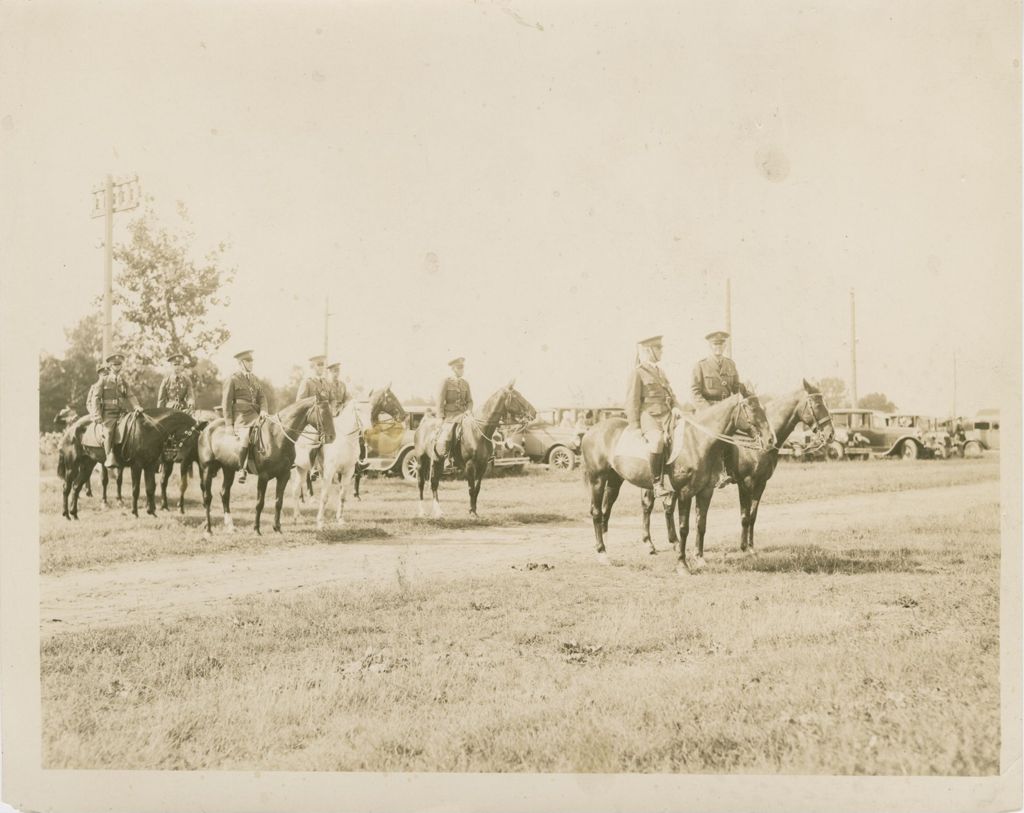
[290,411]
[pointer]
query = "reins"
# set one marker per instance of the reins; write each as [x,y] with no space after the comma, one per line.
[733,440]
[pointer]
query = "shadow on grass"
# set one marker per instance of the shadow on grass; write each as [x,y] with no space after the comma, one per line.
[333,536]
[815,559]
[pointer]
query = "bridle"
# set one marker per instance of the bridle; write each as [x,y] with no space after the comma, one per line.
[319,407]
[496,437]
[739,441]
[815,423]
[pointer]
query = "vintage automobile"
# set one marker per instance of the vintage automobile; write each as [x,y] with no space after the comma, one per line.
[554,437]
[935,438]
[800,445]
[864,433]
[389,446]
[981,433]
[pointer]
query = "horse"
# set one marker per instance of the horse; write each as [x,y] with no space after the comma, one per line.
[473,446]
[751,469]
[342,455]
[183,450]
[396,413]
[273,457]
[141,440]
[692,463]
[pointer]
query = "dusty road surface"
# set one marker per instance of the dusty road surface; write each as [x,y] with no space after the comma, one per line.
[165,588]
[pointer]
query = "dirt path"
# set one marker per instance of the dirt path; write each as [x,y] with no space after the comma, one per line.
[164,588]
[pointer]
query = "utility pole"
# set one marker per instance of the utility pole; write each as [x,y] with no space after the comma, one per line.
[113,196]
[728,316]
[327,316]
[853,349]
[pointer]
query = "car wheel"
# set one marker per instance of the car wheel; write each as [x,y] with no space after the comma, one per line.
[909,450]
[409,466]
[562,459]
[835,451]
[972,449]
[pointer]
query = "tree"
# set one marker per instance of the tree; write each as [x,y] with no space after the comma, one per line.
[876,400]
[67,380]
[167,298]
[834,390]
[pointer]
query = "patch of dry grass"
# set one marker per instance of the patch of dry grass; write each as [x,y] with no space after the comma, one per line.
[873,655]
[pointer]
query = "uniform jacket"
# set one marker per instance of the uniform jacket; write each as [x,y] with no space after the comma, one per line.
[244,398]
[313,385]
[453,398]
[338,394]
[92,401]
[176,392]
[647,391]
[714,379]
[113,397]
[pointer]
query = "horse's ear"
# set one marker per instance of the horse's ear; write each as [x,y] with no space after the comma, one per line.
[512,384]
[807,387]
[388,386]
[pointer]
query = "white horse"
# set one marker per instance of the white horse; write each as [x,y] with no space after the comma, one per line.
[340,458]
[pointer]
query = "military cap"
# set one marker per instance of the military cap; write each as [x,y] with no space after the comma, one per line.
[653,341]
[717,336]
[334,365]
[115,358]
[317,359]
[244,355]
[101,366]
[459,360]
[176,357]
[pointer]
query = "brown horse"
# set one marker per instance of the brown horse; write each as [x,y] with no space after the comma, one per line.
[273,457]
[141,441]
[752,468]
[473,447]
[183,449]
[692,463]
[381,402]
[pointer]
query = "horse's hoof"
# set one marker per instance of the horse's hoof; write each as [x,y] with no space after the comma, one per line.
[208,533]
[258,532]
[653,551]
[602,559]
[699,564]
[277,529]
[152,513]
[682,570]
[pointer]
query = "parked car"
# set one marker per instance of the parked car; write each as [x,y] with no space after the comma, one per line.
[800,445]
[935,438]
[863,433]
[981,433]
[553,438]
[389,447]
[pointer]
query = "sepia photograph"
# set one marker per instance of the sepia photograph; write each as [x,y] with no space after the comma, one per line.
[499,405]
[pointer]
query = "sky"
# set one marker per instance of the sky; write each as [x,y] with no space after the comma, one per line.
[537,186]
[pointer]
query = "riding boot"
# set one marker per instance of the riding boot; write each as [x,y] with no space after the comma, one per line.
[724,479]
[108,447]
[243,459]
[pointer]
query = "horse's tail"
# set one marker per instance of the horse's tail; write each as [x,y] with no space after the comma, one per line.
[61,465]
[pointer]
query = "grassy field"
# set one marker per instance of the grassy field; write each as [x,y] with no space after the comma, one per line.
[858,650]
[388,509]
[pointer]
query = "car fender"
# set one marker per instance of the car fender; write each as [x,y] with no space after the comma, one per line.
[894,449]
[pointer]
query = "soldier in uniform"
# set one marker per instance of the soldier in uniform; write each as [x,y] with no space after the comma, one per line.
[453,401]
[92,399]
[176,390]
[336,387]
[112,399]
[649,404]
[244,403]
[715,379]
[316,382]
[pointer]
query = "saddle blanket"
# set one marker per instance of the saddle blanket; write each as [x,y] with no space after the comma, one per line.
[91,435]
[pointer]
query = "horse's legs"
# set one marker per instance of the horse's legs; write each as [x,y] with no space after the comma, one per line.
[611,493]
[703,504]
[325,492]
[296,480]
[88,484]
[69,476]
[473,485]
[136,485]
[186,467]
[120,481]
[280,484]
[339,517]
[206,475]
[682,566]
[597,483]
[104,479]
[744,515]
[150,472]
[261,497]
[81,475]
[165,467]
[755,501]
[225,497]
[355,484]
[646,506]
[422,473]
[436,469]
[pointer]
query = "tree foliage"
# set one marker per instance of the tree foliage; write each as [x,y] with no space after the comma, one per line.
[834,390]
[166,299]
[876,400]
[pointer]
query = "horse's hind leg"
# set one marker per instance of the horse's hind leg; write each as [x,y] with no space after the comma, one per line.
[422,473]
[104,480]
[755,502]
[136,485]
[165,468]
[473,486]
[682,566]
[703,504]
[646,507]
[436,469]
[120,482]
[225,498]
[150,472]
[186,467]
[744,516]
[206,475]
[598,483]
[280,484]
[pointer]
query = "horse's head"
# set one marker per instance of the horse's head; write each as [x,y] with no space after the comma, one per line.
[814,414]
[515,408]
[751,419]
[384,400]
[321,418]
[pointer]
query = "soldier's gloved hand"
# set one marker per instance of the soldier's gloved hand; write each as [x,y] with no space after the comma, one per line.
[137,410]
[264,413]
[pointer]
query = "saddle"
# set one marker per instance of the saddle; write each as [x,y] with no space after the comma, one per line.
[453,446]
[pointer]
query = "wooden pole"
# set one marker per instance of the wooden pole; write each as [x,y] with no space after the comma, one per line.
[108,277]
[327,316]
[853,349]
[954,384]
[728,316]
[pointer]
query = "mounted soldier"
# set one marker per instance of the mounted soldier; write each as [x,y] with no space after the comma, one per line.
[245,405]
[111,399]
[176,390]
[338,391]
[649,404]
[714,379]
[316,382]
[91,399]
[454,400]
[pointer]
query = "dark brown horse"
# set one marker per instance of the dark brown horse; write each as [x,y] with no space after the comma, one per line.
[692,463]
[141,440]
[182,449]
[752,468]
[474,443]
[385,403]
[273,457]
